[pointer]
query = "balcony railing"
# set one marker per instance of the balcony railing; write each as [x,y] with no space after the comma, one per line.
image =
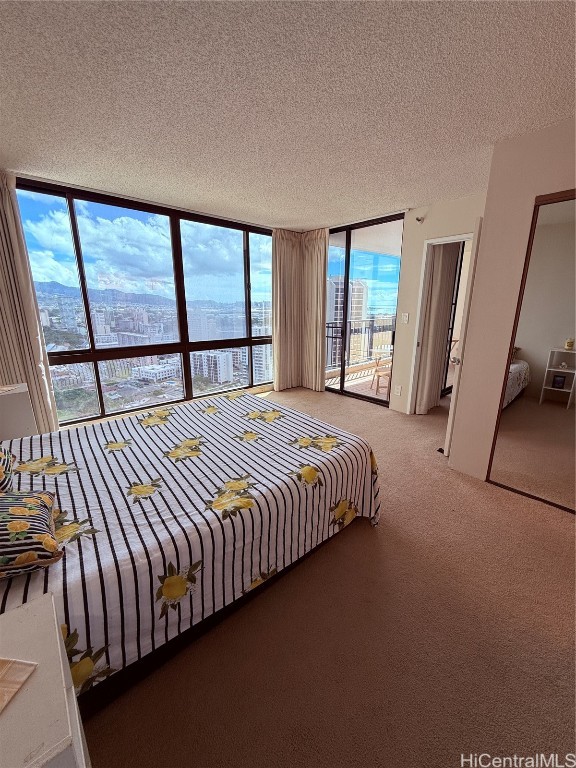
[366,340]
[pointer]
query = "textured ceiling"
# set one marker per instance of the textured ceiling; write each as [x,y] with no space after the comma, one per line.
[286,114]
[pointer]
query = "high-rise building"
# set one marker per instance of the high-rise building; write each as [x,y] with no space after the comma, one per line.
[357,314]
[99,324]
[44,318]
[67,311]
[106,340]
[118,369]
[239,356]
[262,363]
[357,300]
[157,372]
[216,366]
[126,339]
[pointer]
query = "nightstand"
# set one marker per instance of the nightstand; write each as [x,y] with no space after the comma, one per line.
[41,725]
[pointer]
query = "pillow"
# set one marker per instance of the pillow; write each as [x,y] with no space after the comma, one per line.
[6,469]
[27,538]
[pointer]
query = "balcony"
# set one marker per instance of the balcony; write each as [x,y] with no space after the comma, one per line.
[369,349]
[369,346]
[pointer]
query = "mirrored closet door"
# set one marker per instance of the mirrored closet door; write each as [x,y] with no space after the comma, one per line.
[533,450]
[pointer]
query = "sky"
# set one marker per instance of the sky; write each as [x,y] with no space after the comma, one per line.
[380,271]
[130,251]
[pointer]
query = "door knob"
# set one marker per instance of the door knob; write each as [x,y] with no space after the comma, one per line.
[455,360]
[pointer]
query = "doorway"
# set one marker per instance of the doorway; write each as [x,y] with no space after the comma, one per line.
[450,337]
[436,336]
[455,324]
[361,300]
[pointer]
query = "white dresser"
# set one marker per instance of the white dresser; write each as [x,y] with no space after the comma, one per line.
[41,725]
[16,415]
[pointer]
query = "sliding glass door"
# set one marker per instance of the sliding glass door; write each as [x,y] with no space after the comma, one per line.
[362,295]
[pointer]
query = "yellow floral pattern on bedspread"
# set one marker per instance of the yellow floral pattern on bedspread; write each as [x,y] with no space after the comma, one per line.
[45,465]
[308,475]
[141,491]
[69,530]
[343,513]
[117,445]
[324,443]
[261,578]
[268,417]
[85,670]
[190,448]
[156,418]
[233,496]
[174,585]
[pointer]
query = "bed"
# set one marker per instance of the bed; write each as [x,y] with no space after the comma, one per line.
[518,380]
[169,516]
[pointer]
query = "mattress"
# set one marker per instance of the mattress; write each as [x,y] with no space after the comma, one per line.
[518,379]
[168,516]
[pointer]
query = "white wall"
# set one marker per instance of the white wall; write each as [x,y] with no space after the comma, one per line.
[547,316]
[522,168]
[442,219]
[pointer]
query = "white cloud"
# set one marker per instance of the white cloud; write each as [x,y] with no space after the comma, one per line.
[46,268]
[40,197]
[133,253]
[127,254]
[211,250]
[52,232]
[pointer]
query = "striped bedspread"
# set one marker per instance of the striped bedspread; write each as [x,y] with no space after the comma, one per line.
[167,517]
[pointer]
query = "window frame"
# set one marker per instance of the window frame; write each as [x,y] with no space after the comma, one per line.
[347,229]
[184,346]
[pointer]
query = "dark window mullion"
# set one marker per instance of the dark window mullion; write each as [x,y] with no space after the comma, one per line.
[345,296]
[181,308]
[84,292]
[248,303]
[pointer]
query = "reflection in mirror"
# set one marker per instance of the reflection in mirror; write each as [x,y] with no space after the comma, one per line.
[534,447]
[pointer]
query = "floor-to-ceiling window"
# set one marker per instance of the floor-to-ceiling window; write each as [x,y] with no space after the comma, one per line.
[361,300]
[143,305]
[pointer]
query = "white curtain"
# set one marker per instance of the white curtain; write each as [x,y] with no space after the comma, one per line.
[315,264]
[438,305]
[299,264]
[22,351]
[286,308]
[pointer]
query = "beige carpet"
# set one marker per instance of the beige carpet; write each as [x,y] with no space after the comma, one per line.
[449,628]
[535,450]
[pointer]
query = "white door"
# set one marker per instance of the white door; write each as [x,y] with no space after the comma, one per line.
[459,360]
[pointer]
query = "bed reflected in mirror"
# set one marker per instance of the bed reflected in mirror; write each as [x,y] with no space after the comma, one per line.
[534,443]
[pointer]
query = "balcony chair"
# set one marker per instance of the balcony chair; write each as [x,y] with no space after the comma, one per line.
[382,369]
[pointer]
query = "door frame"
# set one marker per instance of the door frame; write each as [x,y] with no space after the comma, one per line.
[348,229]
[463,335]
[425,276]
